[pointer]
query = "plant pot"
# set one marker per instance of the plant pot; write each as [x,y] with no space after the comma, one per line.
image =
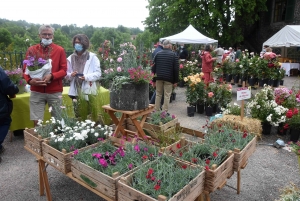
[130,97]
[280,130]
[200,108]
[181,83]
[21,89]
[208,110]
[281,82]
[275,83]
[266,128]
[251,81]
[236,78]
[173,96]
[190,110]
[228,78]
[270,82]
[294,134]
[262,82]
[214,108]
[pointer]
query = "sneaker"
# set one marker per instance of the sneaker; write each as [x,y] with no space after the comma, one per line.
[2,149]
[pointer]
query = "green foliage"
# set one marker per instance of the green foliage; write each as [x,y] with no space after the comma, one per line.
[160,118]
[5,38]
[210,18]
[289,193]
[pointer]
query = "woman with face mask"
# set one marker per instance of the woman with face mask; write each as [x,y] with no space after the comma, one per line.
[83,68]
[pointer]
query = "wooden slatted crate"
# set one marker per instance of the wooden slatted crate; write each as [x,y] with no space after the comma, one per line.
[33,141]
[189,192]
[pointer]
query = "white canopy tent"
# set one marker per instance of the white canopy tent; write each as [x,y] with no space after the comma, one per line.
[190,36]
[288,36]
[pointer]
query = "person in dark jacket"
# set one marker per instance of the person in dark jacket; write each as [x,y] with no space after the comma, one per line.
[183,53]
[7,88]
[166,71]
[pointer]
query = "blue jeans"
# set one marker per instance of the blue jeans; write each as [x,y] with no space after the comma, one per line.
[4,127]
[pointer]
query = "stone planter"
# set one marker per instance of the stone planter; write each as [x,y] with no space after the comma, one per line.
[130,97]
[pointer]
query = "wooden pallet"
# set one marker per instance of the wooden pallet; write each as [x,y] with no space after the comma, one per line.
[61,160]
[33,141]
[189,192]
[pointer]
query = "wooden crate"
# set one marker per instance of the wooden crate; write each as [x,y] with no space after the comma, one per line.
[190,192]
[61,160]
[241,157]
[97,180]
[151,129]
[216,177]
[33,141]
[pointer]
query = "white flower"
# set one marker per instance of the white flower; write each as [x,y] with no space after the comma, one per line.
[96,134]
[258,106]
[92,130]
[241,66]
[60,139]
[50,108]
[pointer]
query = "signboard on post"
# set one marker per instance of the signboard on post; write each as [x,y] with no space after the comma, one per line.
[243,93]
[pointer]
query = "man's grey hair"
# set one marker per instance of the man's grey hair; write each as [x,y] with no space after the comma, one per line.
[167,42]
[46,26]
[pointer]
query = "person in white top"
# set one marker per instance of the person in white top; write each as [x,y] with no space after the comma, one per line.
[220,52]
[231,54]
[83,68]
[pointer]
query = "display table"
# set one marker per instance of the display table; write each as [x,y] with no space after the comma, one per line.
[21,111]
[289,66]
[133,115]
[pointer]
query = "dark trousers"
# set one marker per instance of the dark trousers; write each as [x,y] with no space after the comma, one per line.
[4,127]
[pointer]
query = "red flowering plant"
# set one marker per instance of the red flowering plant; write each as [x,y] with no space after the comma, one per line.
[157,178]
[108,159]
[225,136]
[292,119]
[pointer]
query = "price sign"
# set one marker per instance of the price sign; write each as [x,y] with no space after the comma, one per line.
[243,93]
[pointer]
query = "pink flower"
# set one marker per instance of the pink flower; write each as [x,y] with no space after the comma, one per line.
[137,148]
[119,69]
[210,94]
[119,59]
[130,166]
[181,66]
[237,60]
[173,116]
[103,162]
[97,155]
[75,152]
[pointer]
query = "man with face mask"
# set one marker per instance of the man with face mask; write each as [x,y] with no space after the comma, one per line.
[47,90]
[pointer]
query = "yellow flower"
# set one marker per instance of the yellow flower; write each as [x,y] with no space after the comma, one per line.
[185,79]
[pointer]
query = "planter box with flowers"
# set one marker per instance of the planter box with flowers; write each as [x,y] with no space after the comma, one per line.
[33,141]
[155,181]
[57,150]
[218,162]
[243,143]
[101,167]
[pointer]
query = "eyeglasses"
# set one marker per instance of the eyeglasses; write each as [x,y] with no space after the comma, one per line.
[45,34]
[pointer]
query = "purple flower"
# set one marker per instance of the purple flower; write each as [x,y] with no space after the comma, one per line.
[137,148]
[145,149]
[130,166]
[103,162]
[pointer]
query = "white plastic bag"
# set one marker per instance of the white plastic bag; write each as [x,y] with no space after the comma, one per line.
[40,73]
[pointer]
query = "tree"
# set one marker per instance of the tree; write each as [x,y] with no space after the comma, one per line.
[5,38]
[62,40]
[210,17]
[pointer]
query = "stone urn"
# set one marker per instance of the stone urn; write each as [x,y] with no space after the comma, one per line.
[130,96]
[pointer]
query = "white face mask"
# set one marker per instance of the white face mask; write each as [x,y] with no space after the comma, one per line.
[46,42]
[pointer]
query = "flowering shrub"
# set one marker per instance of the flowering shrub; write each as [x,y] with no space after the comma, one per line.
[293,118]
[138,75]
[196,88]
[264,107]
[164,176]
[234,109]
[16,76]
[108,159]
[160,117]
[285,97]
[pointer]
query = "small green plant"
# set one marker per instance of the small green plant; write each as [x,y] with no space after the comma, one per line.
[289,193]
[160,118]
[165,139]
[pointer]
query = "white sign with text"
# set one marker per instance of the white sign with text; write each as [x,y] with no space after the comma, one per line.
[243,93]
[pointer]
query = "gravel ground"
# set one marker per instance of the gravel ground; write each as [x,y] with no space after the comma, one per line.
[268,169]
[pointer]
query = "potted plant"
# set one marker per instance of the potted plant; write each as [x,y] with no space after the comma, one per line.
[264,108]
[16,76]
[233,109]
[195,90]
[293,121]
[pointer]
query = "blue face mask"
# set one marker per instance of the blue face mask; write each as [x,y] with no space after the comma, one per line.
[78,47]
[46,42]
